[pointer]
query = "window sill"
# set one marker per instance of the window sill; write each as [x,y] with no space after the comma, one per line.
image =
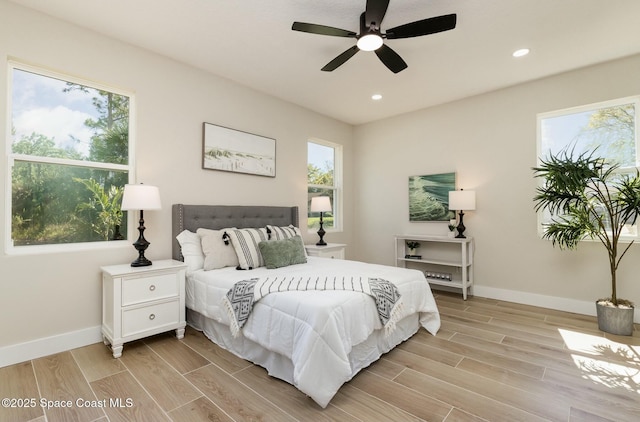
[67,247]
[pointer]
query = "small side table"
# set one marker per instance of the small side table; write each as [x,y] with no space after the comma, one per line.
[331,250]
[139,302]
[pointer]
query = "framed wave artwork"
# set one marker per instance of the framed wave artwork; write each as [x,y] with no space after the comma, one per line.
[429,197]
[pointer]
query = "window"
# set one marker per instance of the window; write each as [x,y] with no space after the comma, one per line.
[609,128]
[68,160]
[324,178]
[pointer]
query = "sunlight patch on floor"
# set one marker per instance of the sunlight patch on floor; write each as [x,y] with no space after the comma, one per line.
[606,362]
[612,375]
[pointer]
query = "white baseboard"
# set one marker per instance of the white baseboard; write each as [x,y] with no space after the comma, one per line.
[543,301]
[34,349]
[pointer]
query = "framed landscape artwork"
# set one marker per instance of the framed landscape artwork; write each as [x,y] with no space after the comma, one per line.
[236,151]
[429,197]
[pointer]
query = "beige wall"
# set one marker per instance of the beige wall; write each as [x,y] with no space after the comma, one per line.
[490,142]
[48,295]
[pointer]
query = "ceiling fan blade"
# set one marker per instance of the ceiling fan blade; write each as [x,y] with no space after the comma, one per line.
[322,30]
[391,59]
[338,61]
[423,27]
[375,11]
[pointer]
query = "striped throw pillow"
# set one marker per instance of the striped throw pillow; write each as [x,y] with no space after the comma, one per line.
[281,233]
[245,242]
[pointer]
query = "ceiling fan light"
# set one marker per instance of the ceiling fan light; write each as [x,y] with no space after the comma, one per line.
[369,42]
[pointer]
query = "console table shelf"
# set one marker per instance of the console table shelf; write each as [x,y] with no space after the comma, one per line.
[445,261]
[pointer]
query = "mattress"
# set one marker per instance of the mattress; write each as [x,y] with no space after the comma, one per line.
[315,340]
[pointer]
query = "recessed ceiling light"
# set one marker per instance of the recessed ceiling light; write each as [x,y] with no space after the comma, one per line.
[376,97]
[520,53]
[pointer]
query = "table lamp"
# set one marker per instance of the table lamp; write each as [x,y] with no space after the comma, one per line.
[462,200]
[321,204]
[141,197]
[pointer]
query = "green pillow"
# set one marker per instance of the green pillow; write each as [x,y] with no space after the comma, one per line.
[281,253]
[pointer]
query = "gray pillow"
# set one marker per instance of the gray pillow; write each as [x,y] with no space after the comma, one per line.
[281,253]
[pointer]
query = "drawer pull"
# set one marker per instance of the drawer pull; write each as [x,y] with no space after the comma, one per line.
[152,287]
[152,317]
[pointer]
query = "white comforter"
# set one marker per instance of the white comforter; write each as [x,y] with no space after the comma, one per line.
[314,329]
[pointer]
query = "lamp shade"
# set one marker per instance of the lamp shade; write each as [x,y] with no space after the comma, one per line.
[320,204]
[141,197]
[462,200]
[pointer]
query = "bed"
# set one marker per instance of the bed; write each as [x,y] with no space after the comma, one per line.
[314,339]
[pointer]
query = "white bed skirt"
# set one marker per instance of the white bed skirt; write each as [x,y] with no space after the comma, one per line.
[279,366]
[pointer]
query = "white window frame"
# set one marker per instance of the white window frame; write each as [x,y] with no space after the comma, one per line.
[543,216]
[337,184]
[11,158]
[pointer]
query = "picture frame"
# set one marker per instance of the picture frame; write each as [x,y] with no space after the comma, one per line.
[232,150]
[429,197]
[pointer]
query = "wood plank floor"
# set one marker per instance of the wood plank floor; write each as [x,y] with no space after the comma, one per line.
[491,361]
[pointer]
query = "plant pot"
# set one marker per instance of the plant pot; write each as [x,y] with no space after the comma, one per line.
[615,320]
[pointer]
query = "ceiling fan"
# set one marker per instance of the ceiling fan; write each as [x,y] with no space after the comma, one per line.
[371,37]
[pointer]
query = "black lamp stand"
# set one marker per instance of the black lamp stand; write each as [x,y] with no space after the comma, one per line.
[321,233]
[461,227]
[141,245]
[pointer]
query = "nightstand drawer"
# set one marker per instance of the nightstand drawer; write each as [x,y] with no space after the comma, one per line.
[334,254]
[330,250]
[149,317]
[145,289]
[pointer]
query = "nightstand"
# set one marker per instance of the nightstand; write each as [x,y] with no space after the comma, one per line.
[139,302]
[331,250]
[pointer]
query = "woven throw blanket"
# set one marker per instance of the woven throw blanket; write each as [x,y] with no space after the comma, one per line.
[240,299]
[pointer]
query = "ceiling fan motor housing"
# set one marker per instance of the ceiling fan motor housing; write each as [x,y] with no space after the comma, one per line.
[369,38]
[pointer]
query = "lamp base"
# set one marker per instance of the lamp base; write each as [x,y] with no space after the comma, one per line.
[141,245]
[461,228]
[321,242]
[141,262]
[321,233]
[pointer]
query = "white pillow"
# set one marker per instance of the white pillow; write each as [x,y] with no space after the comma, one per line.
[191,249]
[245,242]
[217,254]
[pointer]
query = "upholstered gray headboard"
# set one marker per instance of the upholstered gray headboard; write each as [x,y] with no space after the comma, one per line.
[193,217]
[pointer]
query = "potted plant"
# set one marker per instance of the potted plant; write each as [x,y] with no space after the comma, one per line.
[413,245]
[590,199]
[452,227]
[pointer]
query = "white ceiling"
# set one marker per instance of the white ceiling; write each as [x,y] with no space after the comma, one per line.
[251,42]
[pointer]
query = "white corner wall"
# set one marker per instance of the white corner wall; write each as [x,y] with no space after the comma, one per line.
[490,142]
[52,302]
